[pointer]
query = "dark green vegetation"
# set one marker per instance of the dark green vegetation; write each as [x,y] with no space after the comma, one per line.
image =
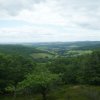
[12,70]
[58,71]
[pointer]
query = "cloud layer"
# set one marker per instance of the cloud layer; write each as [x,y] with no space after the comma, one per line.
[49,20]
[13,7]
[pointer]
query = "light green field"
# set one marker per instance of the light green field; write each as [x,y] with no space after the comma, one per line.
[42,55]
[78,52]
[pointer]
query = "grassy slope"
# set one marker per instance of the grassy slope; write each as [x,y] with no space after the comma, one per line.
[77,93]
[72,92]
[77,52]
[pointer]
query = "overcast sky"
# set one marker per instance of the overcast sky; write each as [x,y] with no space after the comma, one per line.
[49,20]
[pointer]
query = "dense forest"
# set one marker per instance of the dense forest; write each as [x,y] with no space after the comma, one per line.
[51,75]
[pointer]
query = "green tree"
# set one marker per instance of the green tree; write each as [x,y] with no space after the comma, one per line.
[91,69]
[41,79]
[13,70]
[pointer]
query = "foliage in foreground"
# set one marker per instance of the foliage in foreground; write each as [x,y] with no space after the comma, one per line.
[66,92]
[41,79]
[13,70]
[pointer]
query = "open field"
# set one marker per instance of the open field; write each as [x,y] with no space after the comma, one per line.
[42,55]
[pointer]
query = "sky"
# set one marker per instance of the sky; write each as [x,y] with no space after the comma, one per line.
[49,20]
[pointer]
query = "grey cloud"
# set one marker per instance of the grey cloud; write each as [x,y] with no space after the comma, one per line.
[13,7]
[89,26]
[76,9]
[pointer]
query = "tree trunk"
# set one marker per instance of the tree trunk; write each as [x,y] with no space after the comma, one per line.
[14,93]
[44,96]
[44,93]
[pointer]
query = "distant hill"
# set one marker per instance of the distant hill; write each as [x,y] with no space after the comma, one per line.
[68,45]
[51,50]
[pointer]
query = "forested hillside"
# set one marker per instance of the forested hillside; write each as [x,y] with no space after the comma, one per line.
[27,51]
[24,72]
[18,49]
